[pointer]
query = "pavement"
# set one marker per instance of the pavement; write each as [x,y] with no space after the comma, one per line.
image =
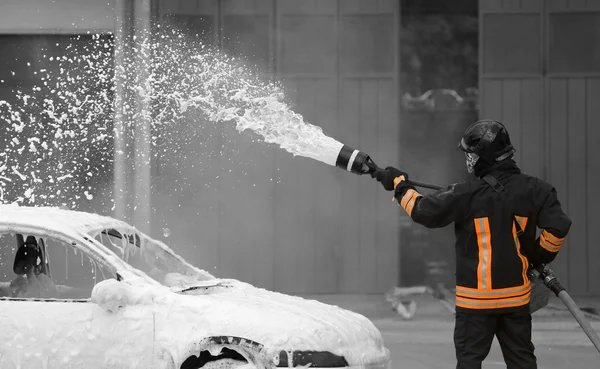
[426,340]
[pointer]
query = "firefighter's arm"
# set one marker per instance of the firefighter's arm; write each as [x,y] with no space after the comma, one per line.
[434,210]
[555,225]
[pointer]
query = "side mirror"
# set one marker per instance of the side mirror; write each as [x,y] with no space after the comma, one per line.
[111,295]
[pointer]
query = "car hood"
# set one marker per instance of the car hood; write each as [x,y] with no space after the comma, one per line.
[278,321]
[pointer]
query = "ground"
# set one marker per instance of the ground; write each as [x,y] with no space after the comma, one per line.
[426,341]
[420,345]
[438,356]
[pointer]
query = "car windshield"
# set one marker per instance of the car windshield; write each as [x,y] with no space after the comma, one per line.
[152,257]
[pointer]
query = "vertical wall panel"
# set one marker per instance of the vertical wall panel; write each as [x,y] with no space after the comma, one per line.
[522,38]
[532,129]
[294,223]
[558,159]
[255,208]
[326,6]
[167,6]
[592,139]
[312,67]
[190,207]
[557,5]
[573,5]
[187,7]
[491,91]
[232,229]
[368,188]
[489,6]
[202,218]
[576,176]
[305,7]
[511,113]
[368,6]
[349,6]
[388,6]
[247,6]
[388,221]
[310,231]
[531,5]
[287,6]
[260,201]
[326,198]
[577,4]
[194,227]
[245,201]
[350,238]
[511,4]
[297,57]
[306,105]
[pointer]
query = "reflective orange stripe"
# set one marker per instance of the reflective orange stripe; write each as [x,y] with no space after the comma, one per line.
[522,223]
[500,293]
[398,179]
[550,242]
[408,200]
[411,203]
[407,196]
[552,238]
[493,303]
[484,243]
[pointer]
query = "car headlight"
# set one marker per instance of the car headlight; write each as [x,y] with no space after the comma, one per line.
[316,359]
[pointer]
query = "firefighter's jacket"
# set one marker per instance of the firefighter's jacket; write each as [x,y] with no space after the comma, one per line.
[491,260]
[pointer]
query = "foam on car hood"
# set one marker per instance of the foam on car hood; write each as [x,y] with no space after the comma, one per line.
[232,308]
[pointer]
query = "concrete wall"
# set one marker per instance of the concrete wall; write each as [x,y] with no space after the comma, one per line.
[243,209]
[546,90]
[290,223]
[58,16]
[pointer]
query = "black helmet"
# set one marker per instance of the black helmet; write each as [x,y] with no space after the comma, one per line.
[487,139]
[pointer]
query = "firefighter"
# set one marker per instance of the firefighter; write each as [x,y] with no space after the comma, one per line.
[496,214]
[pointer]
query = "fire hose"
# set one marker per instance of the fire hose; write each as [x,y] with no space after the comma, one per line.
[546,274]
[360,163]
[357,162]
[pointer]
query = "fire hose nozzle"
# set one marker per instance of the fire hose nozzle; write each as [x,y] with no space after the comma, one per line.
[358,162]
[355,161]
[543,272]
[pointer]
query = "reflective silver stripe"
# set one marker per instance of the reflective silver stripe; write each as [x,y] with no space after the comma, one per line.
[547,242]
[493,293]
[486,250]
[523,300]
[524,261]
[351,160]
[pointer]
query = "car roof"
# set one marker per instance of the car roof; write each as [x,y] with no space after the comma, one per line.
[78,224]
[58,219]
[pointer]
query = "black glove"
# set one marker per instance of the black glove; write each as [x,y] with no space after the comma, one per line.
[401,187]
[386,177]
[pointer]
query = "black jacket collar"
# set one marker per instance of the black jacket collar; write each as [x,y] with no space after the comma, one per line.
[505,166]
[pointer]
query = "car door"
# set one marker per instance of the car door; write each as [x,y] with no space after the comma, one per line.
[47,320]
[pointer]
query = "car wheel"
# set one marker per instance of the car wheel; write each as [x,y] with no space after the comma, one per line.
[227,359]
[228,364]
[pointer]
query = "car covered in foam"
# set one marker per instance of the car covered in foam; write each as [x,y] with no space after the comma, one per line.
[81,290]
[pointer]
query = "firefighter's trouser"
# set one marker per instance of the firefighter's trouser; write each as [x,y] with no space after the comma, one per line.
[474,333]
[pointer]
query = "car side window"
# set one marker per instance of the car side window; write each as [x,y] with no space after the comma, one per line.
[44,267]
[8,248]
